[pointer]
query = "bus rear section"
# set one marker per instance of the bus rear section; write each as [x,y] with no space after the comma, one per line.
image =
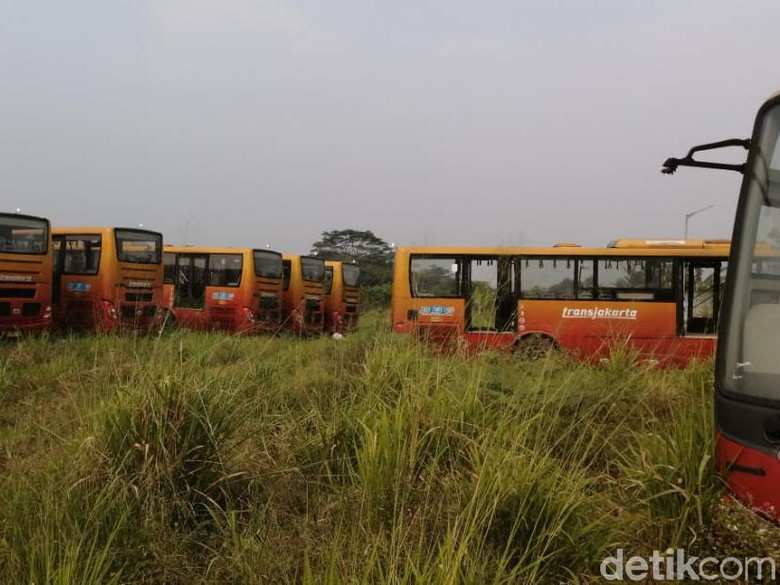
[342,296]
[107,279]
[237,290]
[25,273]
[662,305]
[303,285]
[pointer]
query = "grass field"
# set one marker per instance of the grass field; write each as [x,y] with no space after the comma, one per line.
[201,458]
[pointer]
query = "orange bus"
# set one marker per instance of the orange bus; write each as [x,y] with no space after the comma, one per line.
[25,273]
[747,366]
[233,289]
[660,298]
[342,296]
[304,303]
[107,278]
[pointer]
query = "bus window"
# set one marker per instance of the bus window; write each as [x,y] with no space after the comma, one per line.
[191,285]
[137,246]
[482,294]
[169,267]
[225,269]
[328,283]
[434,277]
[286,270]
[585,278]
[701,296]
[81,254]
[618,278]
[547,278]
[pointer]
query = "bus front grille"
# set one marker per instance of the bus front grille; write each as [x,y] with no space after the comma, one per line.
[31,309]
[17,293]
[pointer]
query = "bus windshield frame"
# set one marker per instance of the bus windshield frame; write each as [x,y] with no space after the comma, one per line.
[124,236]
[746,370]
[11,222]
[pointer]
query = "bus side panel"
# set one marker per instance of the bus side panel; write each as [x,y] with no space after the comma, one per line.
[595,328]
[438,320]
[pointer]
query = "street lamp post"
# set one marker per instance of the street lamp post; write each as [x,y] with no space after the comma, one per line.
[691,214]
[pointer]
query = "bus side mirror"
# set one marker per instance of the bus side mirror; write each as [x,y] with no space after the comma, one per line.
[671,164]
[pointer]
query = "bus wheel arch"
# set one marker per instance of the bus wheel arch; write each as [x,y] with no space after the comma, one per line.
[535,345]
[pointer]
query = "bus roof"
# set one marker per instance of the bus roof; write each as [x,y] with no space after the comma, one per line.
[214,250]
[65,231]
[570,250]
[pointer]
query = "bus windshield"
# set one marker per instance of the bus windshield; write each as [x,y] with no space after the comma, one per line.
[351,275]
[138,246]
[751,355]
[268,264]
[312,269]
[23,235]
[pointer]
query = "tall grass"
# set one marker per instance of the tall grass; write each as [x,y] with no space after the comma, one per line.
[194,458]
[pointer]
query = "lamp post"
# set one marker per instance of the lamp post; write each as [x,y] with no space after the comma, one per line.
[691,214]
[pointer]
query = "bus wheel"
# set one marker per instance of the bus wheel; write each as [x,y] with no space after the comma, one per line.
[167,322]
[534,346]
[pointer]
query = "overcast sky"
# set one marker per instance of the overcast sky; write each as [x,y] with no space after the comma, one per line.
[253,122]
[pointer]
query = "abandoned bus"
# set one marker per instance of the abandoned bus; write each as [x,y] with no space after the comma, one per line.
[25,273]
[107,279]
[304,305]
[747,367]
[660,298]
[238,290]
[342,296]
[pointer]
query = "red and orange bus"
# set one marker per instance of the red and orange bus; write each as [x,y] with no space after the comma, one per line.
[342,296]
[238,290]
[107,278]
[304,303]
[747,366]
[660,298]
[25,273]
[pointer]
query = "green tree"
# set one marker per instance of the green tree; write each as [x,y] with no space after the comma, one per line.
[371,253]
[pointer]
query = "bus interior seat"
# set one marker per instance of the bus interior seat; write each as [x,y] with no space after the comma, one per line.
[760,348]
[585,294]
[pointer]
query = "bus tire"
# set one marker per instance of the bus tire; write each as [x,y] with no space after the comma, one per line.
[535,346]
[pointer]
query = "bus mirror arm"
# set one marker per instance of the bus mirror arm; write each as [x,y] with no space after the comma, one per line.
[671,164]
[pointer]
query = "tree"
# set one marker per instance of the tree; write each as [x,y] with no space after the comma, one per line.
[372,253]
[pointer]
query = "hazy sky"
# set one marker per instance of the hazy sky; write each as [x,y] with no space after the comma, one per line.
[247,122]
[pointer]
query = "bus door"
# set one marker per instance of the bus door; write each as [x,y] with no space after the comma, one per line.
[190,281]
[702,293]
[489,293]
